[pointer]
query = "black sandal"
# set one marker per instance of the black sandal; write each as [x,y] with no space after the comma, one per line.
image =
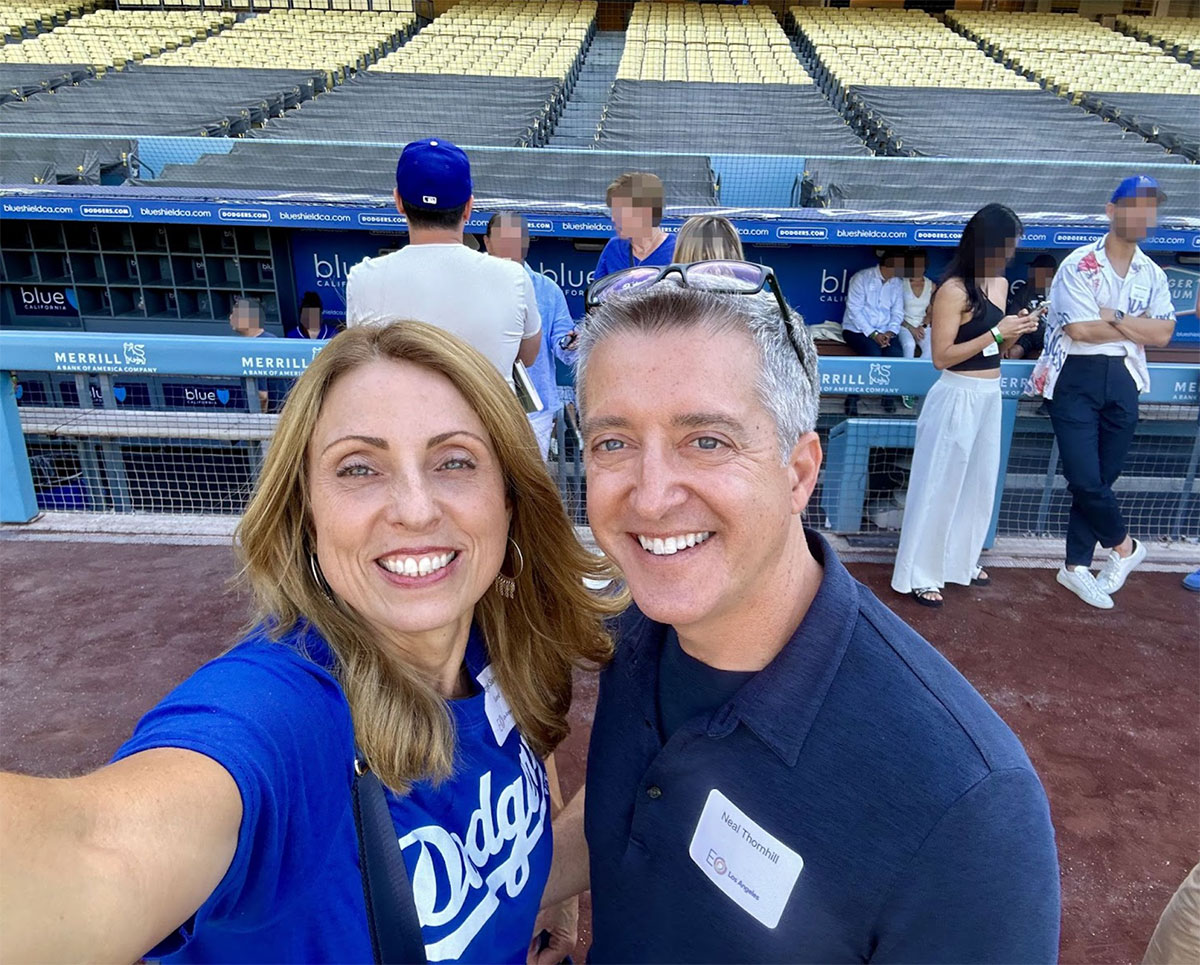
[980,578]
[922,596]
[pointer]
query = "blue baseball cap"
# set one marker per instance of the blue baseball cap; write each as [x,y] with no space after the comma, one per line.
[433,174]
[1138,186]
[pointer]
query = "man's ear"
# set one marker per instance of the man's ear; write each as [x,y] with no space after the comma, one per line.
[804,465]
[468,209]
[396,196]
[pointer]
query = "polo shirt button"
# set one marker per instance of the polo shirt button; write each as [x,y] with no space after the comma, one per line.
[654,792]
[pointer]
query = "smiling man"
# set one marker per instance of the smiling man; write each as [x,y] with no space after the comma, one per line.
[780,769]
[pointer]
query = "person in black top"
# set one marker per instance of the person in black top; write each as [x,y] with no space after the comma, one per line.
[956,457]
[1029,298]
[311,323]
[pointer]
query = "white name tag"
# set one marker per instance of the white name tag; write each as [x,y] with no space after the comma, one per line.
[752,866]
[1139,300]
[993,349]
[499,714]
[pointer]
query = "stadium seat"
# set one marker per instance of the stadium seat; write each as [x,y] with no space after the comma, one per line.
[892,48]
[336,42]
[1071,55]
[707,43]
[112,39]
[499,38]
[1179,36]
[19,21]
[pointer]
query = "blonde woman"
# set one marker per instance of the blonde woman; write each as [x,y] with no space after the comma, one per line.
[708,237]
[420,594]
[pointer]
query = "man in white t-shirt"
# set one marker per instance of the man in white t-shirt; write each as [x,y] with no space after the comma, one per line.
[487,302]
[1107,302]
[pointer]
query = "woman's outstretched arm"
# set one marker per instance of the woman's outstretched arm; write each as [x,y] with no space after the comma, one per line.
[103,867]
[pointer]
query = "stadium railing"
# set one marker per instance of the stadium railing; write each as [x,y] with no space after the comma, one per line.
[173,424]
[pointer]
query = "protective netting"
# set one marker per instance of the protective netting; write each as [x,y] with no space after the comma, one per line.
[764,101]
[201,147]
[193,445]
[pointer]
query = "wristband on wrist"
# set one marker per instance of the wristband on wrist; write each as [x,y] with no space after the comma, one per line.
[996,334]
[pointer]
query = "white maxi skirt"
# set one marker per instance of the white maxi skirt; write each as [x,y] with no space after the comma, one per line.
[952,487]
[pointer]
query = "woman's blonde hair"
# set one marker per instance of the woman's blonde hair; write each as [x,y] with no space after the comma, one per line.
[708,237]
[534,641]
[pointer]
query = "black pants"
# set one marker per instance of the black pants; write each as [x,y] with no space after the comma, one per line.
[1094,413]
[864,345]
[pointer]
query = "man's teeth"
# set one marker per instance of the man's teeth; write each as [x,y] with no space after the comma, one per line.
[672,544]
[412,566]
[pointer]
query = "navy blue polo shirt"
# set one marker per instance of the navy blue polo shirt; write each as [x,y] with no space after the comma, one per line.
[859,756]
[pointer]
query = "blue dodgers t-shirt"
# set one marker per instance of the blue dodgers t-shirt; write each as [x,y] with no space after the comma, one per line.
[477,848]
[618,255]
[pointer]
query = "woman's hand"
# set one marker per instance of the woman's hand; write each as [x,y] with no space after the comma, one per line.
[1013,327]
[561,924]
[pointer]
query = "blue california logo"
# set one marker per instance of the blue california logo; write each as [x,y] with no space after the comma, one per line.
[119,392]
[20,391]
[223,396]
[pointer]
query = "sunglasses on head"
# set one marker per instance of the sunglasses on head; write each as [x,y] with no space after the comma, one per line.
[718,277]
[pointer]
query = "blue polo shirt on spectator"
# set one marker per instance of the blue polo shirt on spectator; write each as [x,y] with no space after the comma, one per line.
[618,255]
[856,800]
[556,323]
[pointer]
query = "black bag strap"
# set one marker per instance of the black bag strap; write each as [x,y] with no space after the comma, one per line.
[391,909]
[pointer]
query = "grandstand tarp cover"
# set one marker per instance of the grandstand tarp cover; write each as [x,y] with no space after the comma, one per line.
[67,160]
[211,101]
[396,108]
[724,118]
[954,188]
[1172,120]
[1030,124]
[328,170]
[18,81]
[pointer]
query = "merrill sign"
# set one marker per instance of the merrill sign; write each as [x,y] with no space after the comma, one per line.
[131,358]
[277,365]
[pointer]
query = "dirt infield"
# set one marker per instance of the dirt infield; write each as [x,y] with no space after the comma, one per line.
[1107,704]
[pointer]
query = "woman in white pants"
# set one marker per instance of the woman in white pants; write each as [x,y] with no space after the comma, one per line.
[957,455]
[918,293]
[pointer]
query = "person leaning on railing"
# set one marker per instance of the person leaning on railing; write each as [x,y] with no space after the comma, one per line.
[421,609]
[1108,302]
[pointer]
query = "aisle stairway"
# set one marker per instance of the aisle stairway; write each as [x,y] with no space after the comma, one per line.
[576,127]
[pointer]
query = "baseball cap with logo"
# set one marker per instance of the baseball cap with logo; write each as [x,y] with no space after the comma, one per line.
[433,174]
[1138,186]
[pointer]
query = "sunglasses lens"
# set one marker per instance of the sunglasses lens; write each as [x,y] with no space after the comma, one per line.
[732,276]
[623,281]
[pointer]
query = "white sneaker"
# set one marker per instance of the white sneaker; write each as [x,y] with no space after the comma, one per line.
[1114,573]
[1079,580]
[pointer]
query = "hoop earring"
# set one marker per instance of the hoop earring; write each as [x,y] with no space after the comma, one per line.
[506,586]
[318,577]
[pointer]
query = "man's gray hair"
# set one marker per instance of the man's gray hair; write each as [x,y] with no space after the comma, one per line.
[788,389]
